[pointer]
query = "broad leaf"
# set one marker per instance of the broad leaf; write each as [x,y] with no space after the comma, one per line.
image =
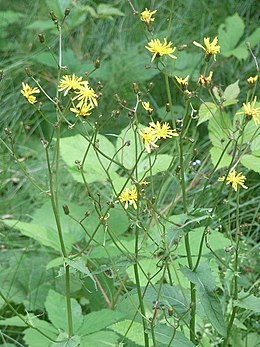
[57,311]
[231,93]
[250,302]
[229,34]
[251,162]
[206,111]
[100,339]
[164,334]
[35,339]
[73,341]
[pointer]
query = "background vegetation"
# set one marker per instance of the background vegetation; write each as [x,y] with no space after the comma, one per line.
[31,272]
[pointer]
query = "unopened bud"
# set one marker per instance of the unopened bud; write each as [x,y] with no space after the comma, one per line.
[41,37]
[167,107]
[53,16]
[28,72]
[135,88]
[66,209]
[116,96]
[1,75]
[66,12]
[97,63]
[170,311]
[8,132]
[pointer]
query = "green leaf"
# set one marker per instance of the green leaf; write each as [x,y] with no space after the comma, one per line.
[251,162]
[57,311]
[217,153]
[41,25]
[73,341]
[74,148]
[34,339]
[105,10]
[10,17]
[98,320]
[205,285]
[54,263]
[46,58]
[229,34]
[100,339]
[250,302]
[206,111]
[231,93]
[149,266]
[159,163]
[81,267]
[254,38]
[132,330]
[219,128]
[164,333]
[58,6]
[45,236]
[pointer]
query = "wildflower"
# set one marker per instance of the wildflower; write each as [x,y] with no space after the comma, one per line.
[69,82]
[146,16]
[129,196]
[85,95]
[183,82]
[251,111]
[149,137]
[28,92]
[252,80]
[162,131]
[146,106]
[160,48]
[234,179]
[203,80]
[211,48]
[84,111]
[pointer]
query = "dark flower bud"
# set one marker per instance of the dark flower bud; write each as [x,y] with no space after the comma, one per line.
[28,72]
[53,16]
[41,37]
[97,63]
[66,12]
[66,209]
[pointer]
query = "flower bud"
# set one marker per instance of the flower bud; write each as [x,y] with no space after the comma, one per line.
[53,16]
[41,37]
[97,63]
[66,12]
[28,72]
[66,209]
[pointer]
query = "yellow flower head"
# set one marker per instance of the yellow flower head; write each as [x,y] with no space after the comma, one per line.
[28,92]
[234,179]
[146,106]
[252,80]
[160,48]
[211,48]
[203,80]
[84,111]
[162,131]
[149,137]
[69,82]
[146,16]
[251,111]
[129,196]
[183,82]
[85,95]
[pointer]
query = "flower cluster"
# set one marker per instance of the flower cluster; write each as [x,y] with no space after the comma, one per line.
[159,48]
[211,48]
[234,179]
[252,80]
[147,16]
[84,96]
[129,196]
[28,92]
[183,82]
[252,112]
[154,132]
[205,80]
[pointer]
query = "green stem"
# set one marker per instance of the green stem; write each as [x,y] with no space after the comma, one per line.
[138,286]
[169,97]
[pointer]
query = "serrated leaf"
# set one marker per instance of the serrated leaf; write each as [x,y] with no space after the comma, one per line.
[206,111]
[251,162]
[100,339]
[81,267]
[57,311]
[219,128]
[231,93]
[229,33]
[164,333]
[217,153]
[250,302]
[54,263]
[254,38]
[98,320]
[205,285]
[72,341]
[131,330]
[35,339]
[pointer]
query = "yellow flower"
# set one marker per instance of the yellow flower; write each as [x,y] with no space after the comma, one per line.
[251,111]
[149,137]
[183,82]
[234,179]
[69,82]
[203,80]
[129,196]
[160,48]
[28,92]
[146,16]
[146,106]
[84,111]
[211,48]
[252,80]
[85,95]
[162,131]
